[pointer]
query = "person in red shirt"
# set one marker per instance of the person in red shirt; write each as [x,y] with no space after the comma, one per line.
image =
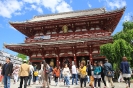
[56,72]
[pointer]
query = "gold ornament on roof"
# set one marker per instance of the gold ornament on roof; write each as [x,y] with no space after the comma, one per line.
[65,28]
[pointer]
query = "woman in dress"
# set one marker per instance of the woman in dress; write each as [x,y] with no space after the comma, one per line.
[15,74]
[125,69]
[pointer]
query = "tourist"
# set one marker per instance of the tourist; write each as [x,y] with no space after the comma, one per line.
[56,72]
[97,74]
[39,76]
[15,74]
[35,74]
[83,74]
[66,74]
[61,75]
[50,74]
[24,73]
[46,70]
[74,74]
[126,73]
[102,74]
[7,70]
[1,77]
[90,73]
[109,73]
[78,74]
[30,73]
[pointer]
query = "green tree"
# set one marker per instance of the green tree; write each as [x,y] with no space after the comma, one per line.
[24,57]
[122,46]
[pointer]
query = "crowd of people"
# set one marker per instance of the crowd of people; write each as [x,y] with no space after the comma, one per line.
[92,74]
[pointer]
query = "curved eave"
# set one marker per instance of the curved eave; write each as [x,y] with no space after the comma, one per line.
[25,48]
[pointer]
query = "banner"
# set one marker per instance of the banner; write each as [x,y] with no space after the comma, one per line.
[42,37]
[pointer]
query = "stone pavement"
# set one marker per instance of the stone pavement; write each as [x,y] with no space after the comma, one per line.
[61,85]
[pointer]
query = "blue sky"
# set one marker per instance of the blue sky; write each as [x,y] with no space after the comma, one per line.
[21,10]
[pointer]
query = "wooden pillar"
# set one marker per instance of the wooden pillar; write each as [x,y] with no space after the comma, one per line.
[75,59]
[90,53]
[57,60]
[43,58]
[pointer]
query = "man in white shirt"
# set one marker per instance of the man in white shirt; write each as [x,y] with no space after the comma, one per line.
[74,73]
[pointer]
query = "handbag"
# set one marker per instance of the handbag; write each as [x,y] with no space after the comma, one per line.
[110,74]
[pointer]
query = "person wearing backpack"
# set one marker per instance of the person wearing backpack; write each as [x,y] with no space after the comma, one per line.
[109,73]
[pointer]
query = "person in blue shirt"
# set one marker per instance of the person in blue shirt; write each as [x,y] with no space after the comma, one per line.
[125,69]
[97,74]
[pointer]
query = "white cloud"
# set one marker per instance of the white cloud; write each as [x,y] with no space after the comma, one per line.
[15,7]
[33,6]
[9,7]
[33,1]
[89,5]
[115,3]
[40,10]
[53,5]
[63,7]
[37,8]
[57,5]
[127,17]
[19,13]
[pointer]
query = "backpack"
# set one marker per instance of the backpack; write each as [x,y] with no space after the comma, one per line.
[35,73]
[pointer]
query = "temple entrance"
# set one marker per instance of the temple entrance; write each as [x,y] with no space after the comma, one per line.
[51,61]
[66,60]
[82,58]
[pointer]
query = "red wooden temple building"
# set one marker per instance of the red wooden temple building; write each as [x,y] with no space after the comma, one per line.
[67,37]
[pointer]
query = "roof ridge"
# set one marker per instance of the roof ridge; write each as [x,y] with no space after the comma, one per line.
[77,11]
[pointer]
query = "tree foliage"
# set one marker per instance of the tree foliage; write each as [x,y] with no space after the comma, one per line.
[122,45]
[115,51]
[24,57]
[127,26]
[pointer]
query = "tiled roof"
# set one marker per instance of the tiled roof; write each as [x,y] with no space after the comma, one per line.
[68,14]
[65,15]
[71,14]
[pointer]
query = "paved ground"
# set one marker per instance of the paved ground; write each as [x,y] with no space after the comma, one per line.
[61,85]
